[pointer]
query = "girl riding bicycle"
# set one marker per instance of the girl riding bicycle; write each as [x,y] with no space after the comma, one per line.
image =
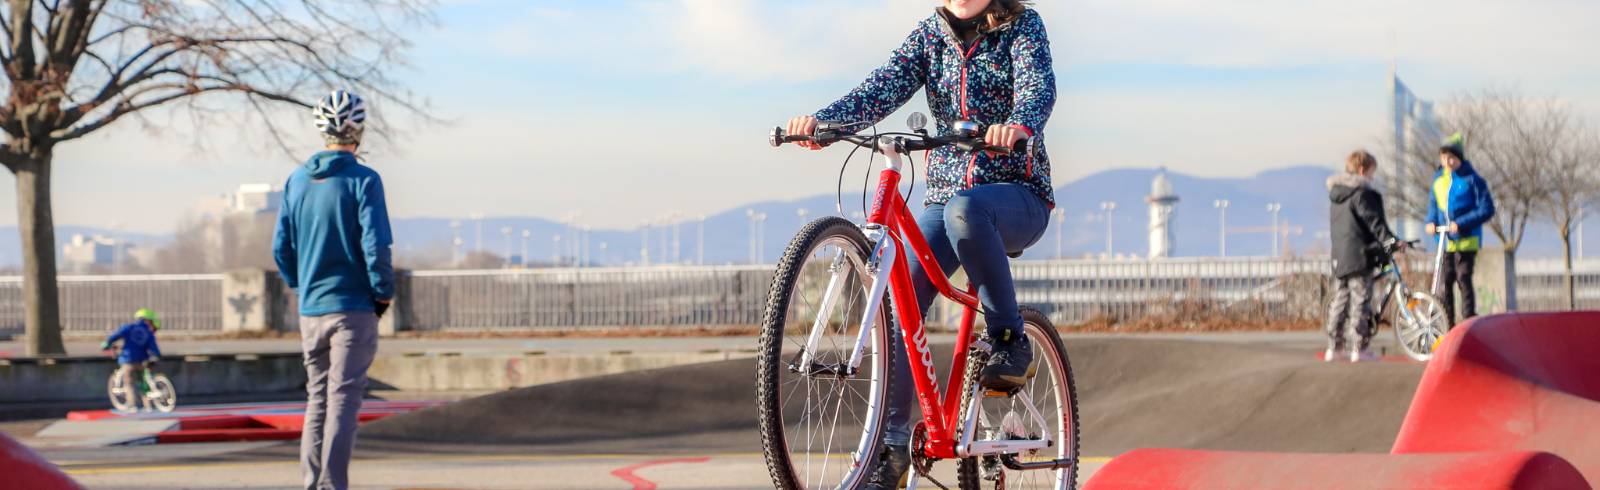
[985,61]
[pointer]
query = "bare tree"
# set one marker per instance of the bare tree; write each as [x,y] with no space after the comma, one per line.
[1572,189]
[1510,140]
[74,67]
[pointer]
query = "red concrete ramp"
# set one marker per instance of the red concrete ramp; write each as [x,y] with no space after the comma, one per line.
[23,468]
[1509,401]
[1152,469]
[1528,382]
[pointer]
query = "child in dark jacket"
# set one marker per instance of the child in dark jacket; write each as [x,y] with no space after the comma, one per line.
[1361,237]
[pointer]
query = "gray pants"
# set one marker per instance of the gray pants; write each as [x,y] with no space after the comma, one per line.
[1350,314]
[338,350]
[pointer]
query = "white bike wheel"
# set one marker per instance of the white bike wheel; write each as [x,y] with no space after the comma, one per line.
[821,423]
[1419,322]
[122,397]
[162,395]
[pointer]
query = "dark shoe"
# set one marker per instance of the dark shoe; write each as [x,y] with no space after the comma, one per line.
[890,469]
[1007,368]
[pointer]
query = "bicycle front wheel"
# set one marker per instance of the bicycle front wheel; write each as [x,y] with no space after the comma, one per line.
[1419,322]
[122,397]
[162,395]
[1047,406]
[821,375]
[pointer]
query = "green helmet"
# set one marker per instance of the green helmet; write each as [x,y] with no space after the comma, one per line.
[1456,145]
[148,314]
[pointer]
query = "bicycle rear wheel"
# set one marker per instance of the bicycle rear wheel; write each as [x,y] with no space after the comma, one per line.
[822,419]
[122,397]
[1419,322]
[162,395]
[1051,394]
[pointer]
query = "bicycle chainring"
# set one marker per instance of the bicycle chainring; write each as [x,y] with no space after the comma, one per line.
[919,457]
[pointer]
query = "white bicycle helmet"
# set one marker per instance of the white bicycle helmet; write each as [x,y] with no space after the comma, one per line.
[341,117]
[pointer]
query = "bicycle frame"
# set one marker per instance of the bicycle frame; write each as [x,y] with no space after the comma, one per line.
[890,229]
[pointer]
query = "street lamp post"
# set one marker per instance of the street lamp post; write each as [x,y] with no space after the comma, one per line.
[1061,223]
[455,242]
[1222,226]
[505,231]
[602,253]
[700,243]
[587,231]
[1275,209]
[1110,208]
[1580,234]
[526,235]
[555,250]
[477,220]
[644,244]
[750,216]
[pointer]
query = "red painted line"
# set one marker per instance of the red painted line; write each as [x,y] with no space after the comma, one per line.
[626,473]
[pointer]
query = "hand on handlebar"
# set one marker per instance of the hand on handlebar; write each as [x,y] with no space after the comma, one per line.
[805,126]
[1004,136]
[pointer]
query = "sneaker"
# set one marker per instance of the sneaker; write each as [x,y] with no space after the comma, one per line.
[889,472]
[1362,355]
[1337,350]
[1008,365]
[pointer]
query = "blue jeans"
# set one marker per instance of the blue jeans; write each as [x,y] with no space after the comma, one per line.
[974,230]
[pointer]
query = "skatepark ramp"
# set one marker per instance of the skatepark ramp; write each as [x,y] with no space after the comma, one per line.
[1135,392]
[1508,402]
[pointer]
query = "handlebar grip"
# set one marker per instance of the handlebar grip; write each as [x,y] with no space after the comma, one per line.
[1018,148]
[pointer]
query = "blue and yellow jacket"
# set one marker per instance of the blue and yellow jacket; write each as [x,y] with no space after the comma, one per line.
[1003,77]
[1462,197]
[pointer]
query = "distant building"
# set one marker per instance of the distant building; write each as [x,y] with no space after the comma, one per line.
[254,198]
[1163,238]
[1414,126]
[88,253]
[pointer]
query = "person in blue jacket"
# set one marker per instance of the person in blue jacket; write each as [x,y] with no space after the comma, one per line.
[138,344]
[332,246]
[1459,205]
[988,62]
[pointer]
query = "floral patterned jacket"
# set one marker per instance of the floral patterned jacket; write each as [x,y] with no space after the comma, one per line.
[1004,77]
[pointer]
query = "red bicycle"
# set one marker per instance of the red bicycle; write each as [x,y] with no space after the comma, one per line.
[824,363]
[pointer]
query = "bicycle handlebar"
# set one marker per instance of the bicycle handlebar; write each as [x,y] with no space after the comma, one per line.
[829,133]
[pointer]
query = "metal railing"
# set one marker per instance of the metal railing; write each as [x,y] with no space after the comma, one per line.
[89,304]
[1070,291]
[1541,284]
[567,298]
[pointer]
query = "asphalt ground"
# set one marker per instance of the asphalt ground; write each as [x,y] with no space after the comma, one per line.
[694,426]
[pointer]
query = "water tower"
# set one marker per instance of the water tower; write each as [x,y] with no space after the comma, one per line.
[1162,203]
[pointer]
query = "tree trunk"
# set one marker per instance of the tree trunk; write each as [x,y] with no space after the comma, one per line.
[1568,288]
[37,225]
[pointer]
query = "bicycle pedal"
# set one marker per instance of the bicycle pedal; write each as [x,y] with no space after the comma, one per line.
[998,394]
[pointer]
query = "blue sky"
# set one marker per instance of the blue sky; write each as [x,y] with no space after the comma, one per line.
[625,110]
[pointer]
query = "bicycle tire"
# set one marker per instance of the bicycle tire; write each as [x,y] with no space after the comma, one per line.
[167,395]
[1047,343]
[773,364]
[126,402]
[1418,336]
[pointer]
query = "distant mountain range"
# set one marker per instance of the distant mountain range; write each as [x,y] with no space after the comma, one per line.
[1301,190]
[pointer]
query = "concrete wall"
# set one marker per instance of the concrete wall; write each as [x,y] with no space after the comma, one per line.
[448,372]
[73,379]
[81,381]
